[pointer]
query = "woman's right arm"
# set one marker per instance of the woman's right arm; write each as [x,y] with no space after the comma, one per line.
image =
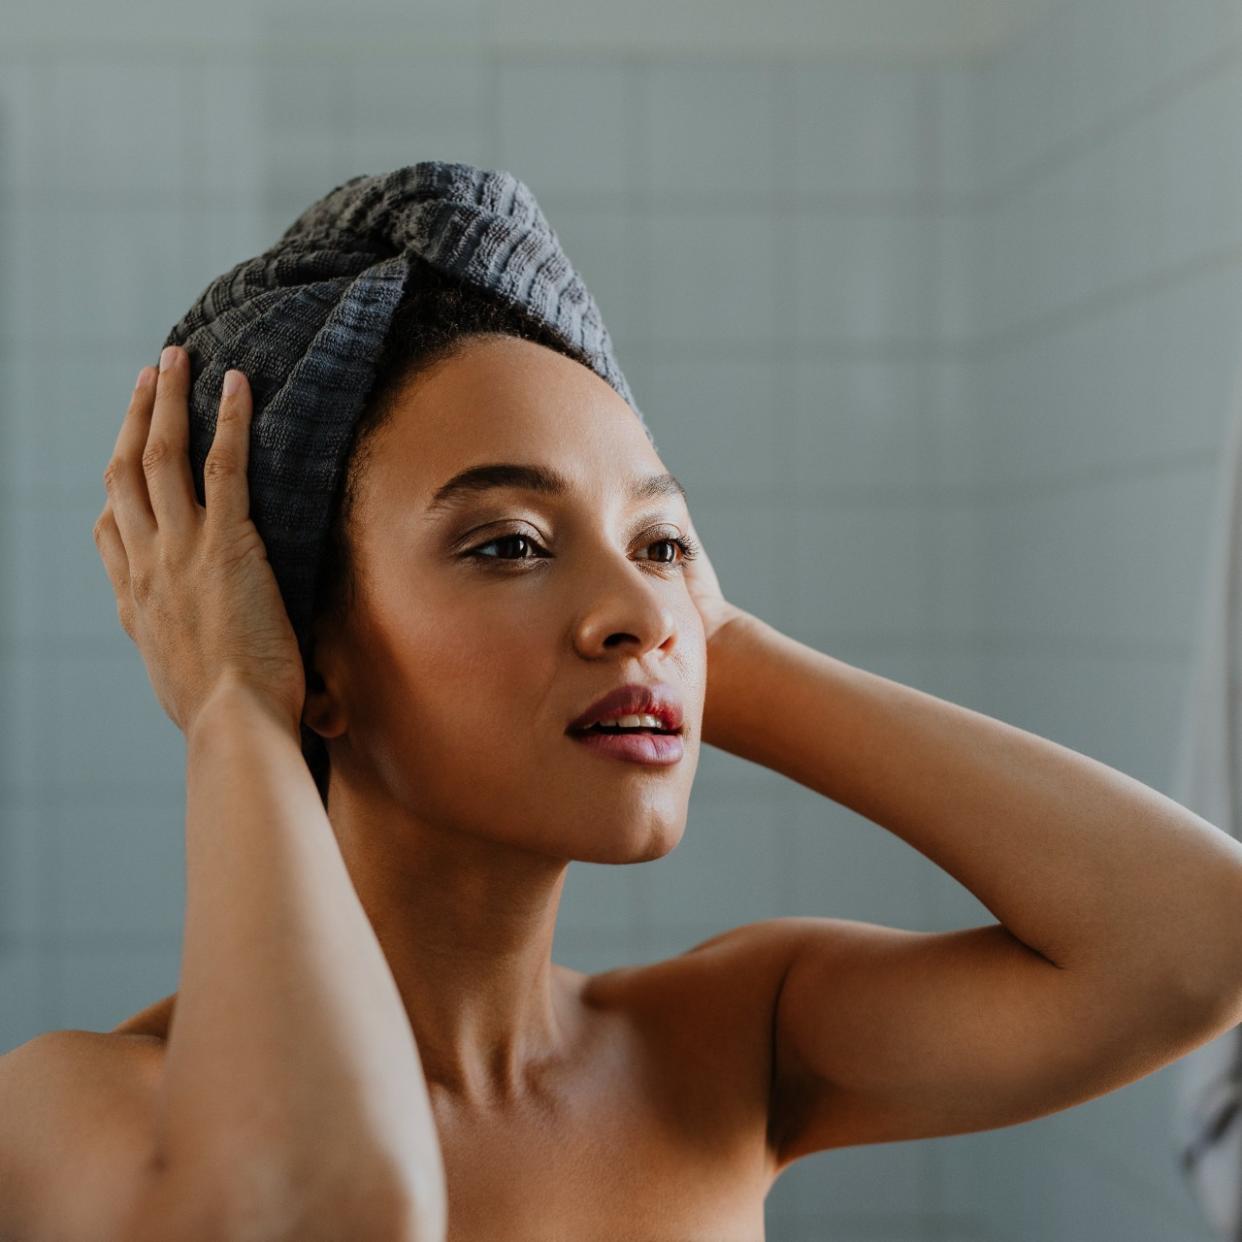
[291,1089]
[292,1078]
[289,1101]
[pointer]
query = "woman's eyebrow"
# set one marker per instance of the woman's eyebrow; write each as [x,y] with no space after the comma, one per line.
[544,479]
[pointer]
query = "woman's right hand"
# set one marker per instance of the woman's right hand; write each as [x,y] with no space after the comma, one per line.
[194,588]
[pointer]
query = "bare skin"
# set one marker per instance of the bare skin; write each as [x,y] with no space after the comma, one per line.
[654,1125]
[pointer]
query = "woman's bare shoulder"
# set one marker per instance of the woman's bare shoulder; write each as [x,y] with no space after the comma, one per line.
[153,1020]
[77,1132]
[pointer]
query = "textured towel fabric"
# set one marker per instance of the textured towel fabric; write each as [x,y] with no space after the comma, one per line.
[307,318]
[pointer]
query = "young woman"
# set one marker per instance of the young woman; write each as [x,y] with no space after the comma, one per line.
[370,1039]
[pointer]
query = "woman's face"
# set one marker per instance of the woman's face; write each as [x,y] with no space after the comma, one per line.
[470,651]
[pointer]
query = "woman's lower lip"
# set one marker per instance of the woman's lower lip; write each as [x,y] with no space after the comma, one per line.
[654,748]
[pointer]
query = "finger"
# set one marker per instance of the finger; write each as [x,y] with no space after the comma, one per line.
[225,487]
[112,552]
[166,455]
[123,477]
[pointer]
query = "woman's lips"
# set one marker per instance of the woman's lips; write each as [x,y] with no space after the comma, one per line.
[661,749]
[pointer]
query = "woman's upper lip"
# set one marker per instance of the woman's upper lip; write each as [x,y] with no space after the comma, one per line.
[633,699]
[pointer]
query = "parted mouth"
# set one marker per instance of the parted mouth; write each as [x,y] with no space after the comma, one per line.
[656,702]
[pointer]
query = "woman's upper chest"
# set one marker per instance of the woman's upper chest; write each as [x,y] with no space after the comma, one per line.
[657,1134]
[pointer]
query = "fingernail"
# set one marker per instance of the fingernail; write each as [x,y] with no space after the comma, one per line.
[145,376]
[232,382]
[168,357]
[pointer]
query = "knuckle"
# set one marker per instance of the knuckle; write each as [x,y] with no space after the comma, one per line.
[155,452]
[112,472]
[220,463]
[141,582]
[98,529]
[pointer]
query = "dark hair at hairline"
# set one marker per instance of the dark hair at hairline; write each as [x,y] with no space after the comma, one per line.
[437,317]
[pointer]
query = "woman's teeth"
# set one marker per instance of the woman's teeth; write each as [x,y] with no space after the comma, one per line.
[630,722]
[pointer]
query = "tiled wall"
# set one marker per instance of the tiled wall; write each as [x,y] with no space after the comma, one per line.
[1101,244]
[940,350]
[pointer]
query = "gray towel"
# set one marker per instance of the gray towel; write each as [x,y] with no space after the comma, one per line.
[306,321]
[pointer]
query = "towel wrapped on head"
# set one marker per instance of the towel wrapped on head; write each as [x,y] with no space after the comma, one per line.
[307,321]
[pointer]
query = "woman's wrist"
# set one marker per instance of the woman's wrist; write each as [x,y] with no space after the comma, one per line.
[231,698]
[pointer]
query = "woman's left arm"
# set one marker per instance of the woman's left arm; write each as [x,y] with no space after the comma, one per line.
[1093,870]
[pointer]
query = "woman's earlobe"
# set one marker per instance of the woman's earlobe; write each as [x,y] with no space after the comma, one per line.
[320,710]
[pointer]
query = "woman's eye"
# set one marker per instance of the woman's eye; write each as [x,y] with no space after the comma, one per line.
[477,551]
[689,549]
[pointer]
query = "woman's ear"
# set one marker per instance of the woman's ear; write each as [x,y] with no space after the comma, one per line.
[322,710]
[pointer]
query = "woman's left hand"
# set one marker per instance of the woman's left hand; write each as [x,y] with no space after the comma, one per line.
[705,590]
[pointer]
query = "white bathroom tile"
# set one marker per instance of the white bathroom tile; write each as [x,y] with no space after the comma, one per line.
[857,428]
[951,389]
[957,174]
[957,589]
[599,898]
[1117,39]
[120,869]
[856,128]
[136,28]
[711,277]
[720,772]
[226,94]
[307,93]
[1073,234]
[862,278]
[585,148]
[955,317]
[1197,201]
[118,271]
[28,732]
[27,1010]
[1099,562]
[859,567]
[856,1191]
[303,166]
[995,148]
[660,938]
[847,866]
[1087,1203]
[84,400]
[1053,53]
[592,952]
[27,846]
[1192,331]
[1129,172]
[33,263]
[100,987]
[32,609]
[1190,36]
[119,124]
[1019,105]
[422,99]
[708,129]
[113,732]
[383,28]
[30,154]
[725,869]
